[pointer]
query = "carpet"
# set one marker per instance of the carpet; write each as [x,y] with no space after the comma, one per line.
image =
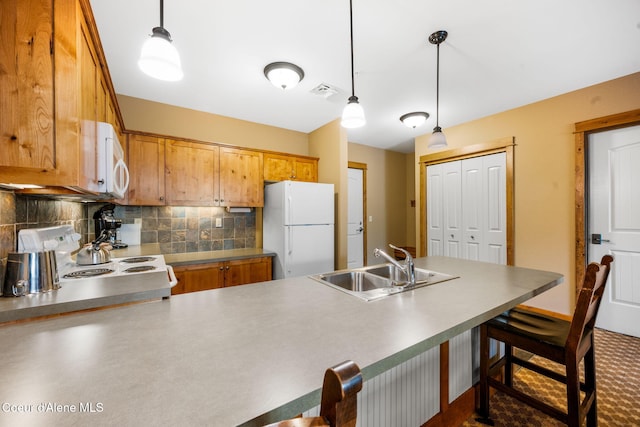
[617,379]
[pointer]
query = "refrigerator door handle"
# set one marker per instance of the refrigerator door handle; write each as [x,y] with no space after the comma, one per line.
[290,211]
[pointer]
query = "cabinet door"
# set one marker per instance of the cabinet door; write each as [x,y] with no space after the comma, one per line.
[146,169]
[26,84]
[306,170]
[241,178]
[191,174]
[241,272]
[278,167]
[199,277]
[282,167]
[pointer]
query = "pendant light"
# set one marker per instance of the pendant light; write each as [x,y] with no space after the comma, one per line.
[283,75]
[159,58]
[437,138]
[353,114]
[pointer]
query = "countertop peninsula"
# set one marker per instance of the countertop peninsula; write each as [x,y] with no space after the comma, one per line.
[244,355]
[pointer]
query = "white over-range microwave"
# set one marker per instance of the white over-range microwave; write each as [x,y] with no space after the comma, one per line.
[104,163]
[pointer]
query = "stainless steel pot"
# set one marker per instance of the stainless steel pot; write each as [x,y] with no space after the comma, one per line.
[30,272]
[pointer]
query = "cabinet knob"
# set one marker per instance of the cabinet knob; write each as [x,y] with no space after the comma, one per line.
[221,268]
[161,198]
[227,267]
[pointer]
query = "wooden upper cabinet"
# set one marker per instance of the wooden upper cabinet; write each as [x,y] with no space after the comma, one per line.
[282,167]
[241,179]
[26,83]
[191,174]
[146,161]
[53,87]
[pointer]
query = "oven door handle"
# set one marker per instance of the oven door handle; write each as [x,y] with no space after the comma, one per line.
[172,276]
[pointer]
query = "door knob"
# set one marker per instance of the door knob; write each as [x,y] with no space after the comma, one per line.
[597,239]
[359,230]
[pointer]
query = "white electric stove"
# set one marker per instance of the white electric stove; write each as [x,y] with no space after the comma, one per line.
[64,241]
[116,267]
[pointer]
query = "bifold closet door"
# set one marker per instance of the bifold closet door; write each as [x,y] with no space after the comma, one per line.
[466,208]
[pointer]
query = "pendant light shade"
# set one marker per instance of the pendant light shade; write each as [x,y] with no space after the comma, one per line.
[353,113]
[159,57]
[437,138]
[283,75]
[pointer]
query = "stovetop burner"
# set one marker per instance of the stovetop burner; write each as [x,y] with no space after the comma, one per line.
[82,274]
[138,259]
[139,269]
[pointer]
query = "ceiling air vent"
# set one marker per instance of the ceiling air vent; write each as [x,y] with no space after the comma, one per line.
[324,90]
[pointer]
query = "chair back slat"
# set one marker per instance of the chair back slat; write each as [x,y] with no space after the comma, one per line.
[588,301]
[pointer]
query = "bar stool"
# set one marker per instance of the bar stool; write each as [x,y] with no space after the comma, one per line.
[564,342]
[339,403]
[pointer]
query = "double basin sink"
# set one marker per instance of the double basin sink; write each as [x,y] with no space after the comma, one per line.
[378,281]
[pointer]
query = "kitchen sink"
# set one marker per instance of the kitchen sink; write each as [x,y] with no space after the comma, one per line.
[378,281]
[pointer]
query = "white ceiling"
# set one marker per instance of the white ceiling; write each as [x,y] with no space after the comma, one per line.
[500,54]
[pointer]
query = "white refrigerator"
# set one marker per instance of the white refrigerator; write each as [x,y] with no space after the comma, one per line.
[298,225]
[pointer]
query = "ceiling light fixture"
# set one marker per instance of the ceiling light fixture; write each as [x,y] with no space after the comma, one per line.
[353,114]
[159,58]
[437,138]
[415,119]
[283,75]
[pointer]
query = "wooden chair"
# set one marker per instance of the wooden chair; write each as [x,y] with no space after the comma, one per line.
[339,404]
[564,342]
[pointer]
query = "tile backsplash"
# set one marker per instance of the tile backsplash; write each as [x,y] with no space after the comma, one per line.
[175,228]
[189,229]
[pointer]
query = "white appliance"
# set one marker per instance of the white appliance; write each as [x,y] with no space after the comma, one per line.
[298,225]
[64,241]
[104,162]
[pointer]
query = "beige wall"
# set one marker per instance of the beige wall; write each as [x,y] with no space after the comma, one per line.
[154,117]
[329,143]
[544,173]
[387,201]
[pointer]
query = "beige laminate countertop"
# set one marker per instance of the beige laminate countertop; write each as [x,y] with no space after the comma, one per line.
[244,355]
[86,294]
[188,258]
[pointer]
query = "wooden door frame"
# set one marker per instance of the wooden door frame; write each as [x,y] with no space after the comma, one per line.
[582,131]
[503,145]
[363,168]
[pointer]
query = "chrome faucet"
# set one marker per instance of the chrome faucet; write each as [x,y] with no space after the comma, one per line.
[408,268]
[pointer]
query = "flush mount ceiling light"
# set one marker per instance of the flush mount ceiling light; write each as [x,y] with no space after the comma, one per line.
[353,114]
[159,57]
[283,75]
[415,119]
[437,138]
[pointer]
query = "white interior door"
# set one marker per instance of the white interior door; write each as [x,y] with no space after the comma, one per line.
[614,224]
[355,227]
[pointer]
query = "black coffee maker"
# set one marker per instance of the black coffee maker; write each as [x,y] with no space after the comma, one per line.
[105,223]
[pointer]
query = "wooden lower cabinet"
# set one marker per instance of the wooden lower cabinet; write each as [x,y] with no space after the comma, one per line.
[244,271]
[201,277]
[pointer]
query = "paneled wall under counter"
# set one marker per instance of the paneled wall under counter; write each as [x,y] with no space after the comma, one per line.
[179,229]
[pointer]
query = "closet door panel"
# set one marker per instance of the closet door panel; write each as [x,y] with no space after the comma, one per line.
[452,203]
[434,211]
[472,208]
[495,208]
